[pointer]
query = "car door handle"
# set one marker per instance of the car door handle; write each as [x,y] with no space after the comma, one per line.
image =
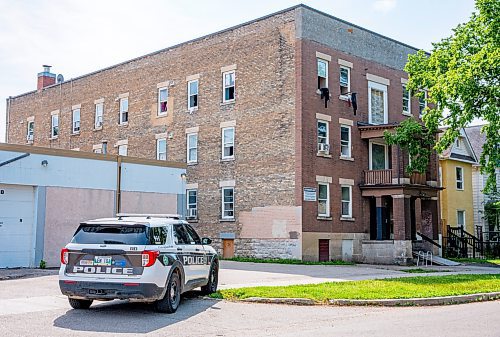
[179,249]
[197,249]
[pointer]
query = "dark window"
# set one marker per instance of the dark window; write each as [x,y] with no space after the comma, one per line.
[112,235]
[192,233]
[181,236]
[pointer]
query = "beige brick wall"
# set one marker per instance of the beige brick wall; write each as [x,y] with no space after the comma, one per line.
[264,112]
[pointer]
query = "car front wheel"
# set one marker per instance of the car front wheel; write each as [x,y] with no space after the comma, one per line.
[213,278]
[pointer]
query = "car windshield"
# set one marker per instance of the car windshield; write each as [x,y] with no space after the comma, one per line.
[112,234]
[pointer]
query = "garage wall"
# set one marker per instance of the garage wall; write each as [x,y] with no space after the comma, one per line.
[153,203]
[65,209]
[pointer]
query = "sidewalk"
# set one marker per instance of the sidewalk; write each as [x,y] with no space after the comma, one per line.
[16,273]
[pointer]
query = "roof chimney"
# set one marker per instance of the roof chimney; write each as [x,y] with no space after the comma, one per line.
[45,78]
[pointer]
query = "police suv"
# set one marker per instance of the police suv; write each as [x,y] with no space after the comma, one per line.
[148,258]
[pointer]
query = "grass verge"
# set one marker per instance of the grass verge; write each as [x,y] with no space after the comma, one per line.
[398,288]
[481,261]
[290,261]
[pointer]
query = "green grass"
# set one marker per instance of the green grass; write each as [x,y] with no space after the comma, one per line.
[410,287]
[290,261]
[421,270]
[481,261]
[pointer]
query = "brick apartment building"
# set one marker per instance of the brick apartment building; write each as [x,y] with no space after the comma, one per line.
[275,169]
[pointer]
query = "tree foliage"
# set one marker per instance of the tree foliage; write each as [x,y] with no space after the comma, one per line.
[462,77]
[413,137]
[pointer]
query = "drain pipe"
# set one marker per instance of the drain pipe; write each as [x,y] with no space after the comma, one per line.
[7,119]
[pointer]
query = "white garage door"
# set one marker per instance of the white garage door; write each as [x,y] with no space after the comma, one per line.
[17,205]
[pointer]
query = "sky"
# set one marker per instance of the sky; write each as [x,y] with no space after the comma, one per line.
[77,37]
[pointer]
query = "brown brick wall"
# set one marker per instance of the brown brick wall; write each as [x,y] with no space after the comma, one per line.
[264,111]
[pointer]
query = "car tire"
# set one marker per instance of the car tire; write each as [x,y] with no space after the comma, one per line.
[213,279]
[170,302]
[79,304]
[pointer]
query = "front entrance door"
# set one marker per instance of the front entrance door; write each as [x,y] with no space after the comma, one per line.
[324,250]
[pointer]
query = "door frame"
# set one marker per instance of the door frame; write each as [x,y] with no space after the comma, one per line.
[386,153]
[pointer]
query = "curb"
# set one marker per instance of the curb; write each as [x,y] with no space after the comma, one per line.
[430,301]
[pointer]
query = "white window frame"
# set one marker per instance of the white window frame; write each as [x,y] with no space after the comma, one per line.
[223,204]
[30,132]
[99,115]
[104,147]
[327,138]
[123,148]
[159,112]
[192,205]
[229,144]
[190,146]
[194,107]
[459,181]
[380,87]
[420,107]
[75,123]
[348,80]
[123,113]
[159,153]
[318,60]
[54,126]
[371,142]
[408,99]
[224,87]
[327,200]
[342,142]
[463,211]
[342,201]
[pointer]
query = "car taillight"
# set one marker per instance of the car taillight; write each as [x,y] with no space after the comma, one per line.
[149,257]
[64,255]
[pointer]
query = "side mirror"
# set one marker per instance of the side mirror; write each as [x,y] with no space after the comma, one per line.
[206,241]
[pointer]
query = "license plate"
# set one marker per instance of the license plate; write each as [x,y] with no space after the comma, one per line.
[103,261]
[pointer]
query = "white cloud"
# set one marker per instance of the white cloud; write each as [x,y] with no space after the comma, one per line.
[384,5]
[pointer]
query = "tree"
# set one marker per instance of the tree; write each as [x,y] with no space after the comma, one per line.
[413,137]
[462,79]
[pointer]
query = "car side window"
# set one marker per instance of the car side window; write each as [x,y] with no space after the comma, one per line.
[192,233]
[181,237]
[158,235]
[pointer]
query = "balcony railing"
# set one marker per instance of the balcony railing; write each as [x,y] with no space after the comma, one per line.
[378,177]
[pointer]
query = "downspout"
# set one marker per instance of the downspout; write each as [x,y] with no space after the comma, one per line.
[7,119]
[118,184]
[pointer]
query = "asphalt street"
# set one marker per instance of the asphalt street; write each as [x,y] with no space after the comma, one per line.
[33,306]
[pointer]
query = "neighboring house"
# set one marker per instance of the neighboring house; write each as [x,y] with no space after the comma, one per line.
[477,140]
[280,121]
[455,165]
[46,193]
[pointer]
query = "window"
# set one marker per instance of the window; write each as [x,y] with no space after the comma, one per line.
[345,141]
[458,143]
[193,94]
[378,156]
[422,103]
[162,101]
[461,218]
[228,84]
[30,133]
[76,121]
[104,147]
[346,196]
[228,143]
[97,150]
[323,200]
[228,202]
[181,236]
[192,147]
[158,235]
[192,203]
[123,110]
[377,103]
[322,73]
[323,137]
[161,149]
[99,109]
[195,238]
[459,172]
[54,126]
[406,101]
[122,150]
[345,83]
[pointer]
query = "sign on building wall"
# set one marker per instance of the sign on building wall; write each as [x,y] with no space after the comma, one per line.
[309,194]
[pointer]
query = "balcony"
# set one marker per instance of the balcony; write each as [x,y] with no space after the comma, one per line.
[378,177]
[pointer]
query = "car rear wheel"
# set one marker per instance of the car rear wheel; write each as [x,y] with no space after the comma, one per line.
[170,302]
[79,304]
[213,278]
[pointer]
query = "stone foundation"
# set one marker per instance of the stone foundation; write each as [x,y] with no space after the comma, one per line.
[264,248]
[343,246]
[387,252]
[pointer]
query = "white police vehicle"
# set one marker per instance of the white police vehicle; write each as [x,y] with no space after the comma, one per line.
[148,258]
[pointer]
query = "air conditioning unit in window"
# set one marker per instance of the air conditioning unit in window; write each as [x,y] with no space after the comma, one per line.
[29,138]
[192,213]
[323,148]
[98,124]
